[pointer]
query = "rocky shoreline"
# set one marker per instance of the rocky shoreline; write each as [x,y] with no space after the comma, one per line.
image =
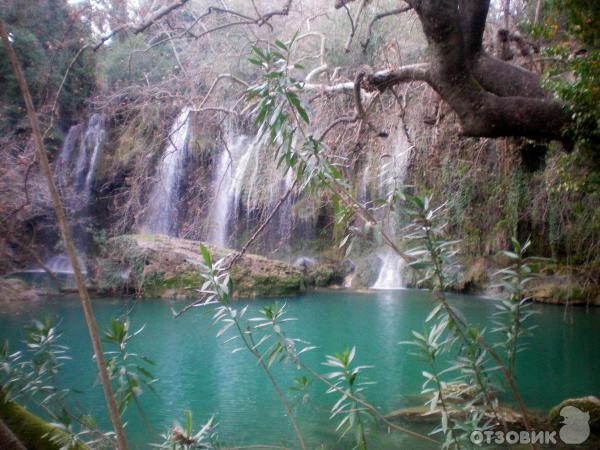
[157,266]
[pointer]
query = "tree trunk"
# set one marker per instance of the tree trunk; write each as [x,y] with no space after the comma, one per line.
[491,97]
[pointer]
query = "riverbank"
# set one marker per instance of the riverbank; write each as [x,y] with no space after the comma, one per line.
[158,266]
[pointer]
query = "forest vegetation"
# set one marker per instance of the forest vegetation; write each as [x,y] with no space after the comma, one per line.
[208,152]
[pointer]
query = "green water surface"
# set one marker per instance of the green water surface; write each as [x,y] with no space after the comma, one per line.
[198,372]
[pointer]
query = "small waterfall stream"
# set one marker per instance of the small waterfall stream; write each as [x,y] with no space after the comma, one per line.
[89,154]
[229,181]
[61,264]
[62,170]
[95,135]
[162,216]
[390,274]
[76,178]
[245,186]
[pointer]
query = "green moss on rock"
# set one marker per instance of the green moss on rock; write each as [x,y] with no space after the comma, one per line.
[171,285]
[558,290]
[17,291]
[34,432]
[475,277]
[167,267]
[367,270]
[326,274]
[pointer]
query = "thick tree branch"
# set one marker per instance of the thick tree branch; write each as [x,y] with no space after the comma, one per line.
[506,79]
[473,14]
[492,98]
[441,24]
[386,78]
[487,115]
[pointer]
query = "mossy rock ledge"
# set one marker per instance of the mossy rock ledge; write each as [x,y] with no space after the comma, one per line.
[560,290]
[156,266]
[14,290]
[32,432]
[423,414]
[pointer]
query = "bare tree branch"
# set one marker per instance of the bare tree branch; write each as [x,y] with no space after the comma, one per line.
[353,23]
[341,3]
[386,78]
[146,23]
[383,15]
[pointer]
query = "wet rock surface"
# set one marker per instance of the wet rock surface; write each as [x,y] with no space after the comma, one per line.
[166,267]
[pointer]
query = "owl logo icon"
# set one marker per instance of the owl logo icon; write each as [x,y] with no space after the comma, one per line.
[576,428]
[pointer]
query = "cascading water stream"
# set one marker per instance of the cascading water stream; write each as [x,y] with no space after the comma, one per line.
[61,264]
[77,182]
[245,181]
[94,135]
[390,274]
[229,181]
[162,216]
[89,154]
[62,169]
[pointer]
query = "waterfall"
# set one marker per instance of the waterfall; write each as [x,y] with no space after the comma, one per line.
[61,264]
[247,181]
[76,179]
[228,184]
[391,177]
[286,212]
[163,212]
[61,169]
[78,176]
[89,154]
[390,274]
[94,135]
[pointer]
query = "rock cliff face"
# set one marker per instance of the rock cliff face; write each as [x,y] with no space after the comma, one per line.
[156,266]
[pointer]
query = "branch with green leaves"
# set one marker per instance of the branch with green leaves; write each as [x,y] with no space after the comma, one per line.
[434,257]
[30,376]
[265,338]
[514,312]
[218,289]
[282,116]
[130,371]
[429,346]
[345,379]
